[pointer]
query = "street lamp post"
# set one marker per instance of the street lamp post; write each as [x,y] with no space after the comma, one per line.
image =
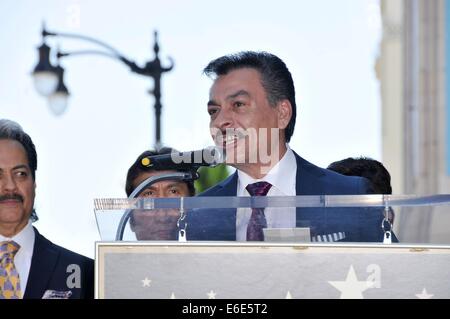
[49,79]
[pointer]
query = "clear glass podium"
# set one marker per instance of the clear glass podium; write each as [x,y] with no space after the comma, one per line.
[328,246]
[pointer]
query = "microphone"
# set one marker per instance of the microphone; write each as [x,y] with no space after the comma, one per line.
[209,156]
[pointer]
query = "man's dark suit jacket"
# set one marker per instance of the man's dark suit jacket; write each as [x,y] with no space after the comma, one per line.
[51,267]
[357,224]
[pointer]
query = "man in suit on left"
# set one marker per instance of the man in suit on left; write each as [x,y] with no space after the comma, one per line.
[30,265]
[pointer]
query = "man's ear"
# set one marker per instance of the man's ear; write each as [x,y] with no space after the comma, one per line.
[284,113]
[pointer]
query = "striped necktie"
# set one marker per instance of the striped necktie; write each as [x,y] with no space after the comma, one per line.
[9,277]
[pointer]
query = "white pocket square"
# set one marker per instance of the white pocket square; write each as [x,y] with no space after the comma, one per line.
[54,294]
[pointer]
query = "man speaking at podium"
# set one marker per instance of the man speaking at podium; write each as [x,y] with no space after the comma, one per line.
[31,266]
[252,112]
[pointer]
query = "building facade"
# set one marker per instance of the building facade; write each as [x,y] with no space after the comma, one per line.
[411,69]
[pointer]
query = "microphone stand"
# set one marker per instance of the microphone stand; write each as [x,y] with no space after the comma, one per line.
[178,176]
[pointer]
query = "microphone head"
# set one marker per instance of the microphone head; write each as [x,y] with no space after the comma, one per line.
[209,156]
[213,156]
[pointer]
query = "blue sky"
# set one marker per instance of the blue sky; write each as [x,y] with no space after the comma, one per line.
[329,46]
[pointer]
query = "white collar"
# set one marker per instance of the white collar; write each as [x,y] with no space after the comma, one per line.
[25,238]
[282,176]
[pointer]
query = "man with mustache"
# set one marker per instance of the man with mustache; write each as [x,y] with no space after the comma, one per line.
[31,266]
[252,113]
[158,224]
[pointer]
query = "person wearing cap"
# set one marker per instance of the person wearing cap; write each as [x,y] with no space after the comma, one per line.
[157,224]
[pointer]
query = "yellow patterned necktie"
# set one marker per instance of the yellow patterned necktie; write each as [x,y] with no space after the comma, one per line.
[9,277]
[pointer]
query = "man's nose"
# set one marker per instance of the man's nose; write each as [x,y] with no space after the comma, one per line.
[224,120]
[160,193]
[8,183]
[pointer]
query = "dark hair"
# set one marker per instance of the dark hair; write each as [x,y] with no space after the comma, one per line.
[275,77]
[137,168]
[10,130]
[366,167]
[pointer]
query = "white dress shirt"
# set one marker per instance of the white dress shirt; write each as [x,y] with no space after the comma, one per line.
[283,178]
[22,259]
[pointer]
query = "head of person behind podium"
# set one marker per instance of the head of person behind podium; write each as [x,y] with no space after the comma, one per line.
[36,268]
[369,168]
[155,224]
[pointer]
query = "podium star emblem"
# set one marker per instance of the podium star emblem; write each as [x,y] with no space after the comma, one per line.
[146,282]
[351,288]
[424,294]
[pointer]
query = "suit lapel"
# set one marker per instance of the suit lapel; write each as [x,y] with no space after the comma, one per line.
[227,218]
[229,186]
[307,178]
[307,183]
[42,265]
